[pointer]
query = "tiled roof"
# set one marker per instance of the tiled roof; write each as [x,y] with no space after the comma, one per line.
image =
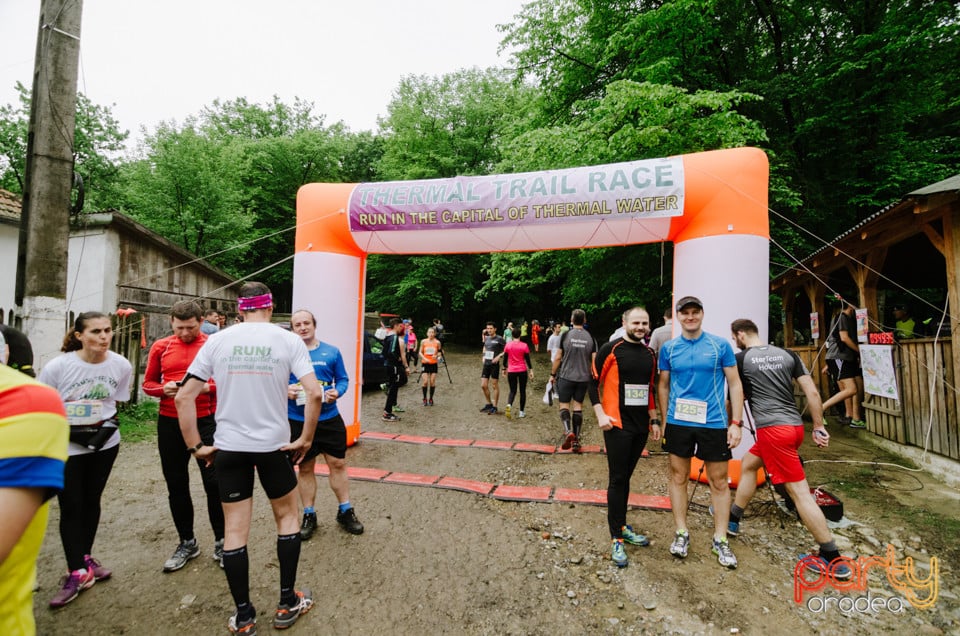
[951,184]
[9,206]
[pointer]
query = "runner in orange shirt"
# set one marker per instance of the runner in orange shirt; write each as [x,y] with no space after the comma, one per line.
[430,352]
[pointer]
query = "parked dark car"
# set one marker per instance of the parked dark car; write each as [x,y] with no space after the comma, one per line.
[375,369]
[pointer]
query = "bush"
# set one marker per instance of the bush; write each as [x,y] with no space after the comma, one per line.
[138,422]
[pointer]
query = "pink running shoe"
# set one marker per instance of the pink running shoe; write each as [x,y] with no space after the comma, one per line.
[99,572]
[71,585]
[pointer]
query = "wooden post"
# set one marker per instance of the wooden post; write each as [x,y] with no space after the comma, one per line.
[816,294]
[789,302]
[41,287]
[866,276]
[951,243]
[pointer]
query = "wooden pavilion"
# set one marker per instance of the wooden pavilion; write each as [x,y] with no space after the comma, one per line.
[908,252]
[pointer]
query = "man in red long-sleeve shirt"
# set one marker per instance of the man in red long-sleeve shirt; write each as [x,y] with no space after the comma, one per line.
[166,366]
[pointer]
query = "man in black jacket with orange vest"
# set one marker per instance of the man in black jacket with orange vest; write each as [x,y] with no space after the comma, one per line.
[622,392]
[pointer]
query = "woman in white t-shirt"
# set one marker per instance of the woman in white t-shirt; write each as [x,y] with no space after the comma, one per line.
[91,379]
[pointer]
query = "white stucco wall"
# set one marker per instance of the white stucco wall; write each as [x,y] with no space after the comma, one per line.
[8,265]
[93,254]
[93,261]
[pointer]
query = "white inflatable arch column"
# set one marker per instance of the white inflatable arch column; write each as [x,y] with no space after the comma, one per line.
[712,205]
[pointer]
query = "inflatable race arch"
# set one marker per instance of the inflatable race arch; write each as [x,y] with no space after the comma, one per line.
[712,205]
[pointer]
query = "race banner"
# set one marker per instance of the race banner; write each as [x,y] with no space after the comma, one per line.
[646,189]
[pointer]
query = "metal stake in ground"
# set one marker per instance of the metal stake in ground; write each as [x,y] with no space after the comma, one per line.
[748,420]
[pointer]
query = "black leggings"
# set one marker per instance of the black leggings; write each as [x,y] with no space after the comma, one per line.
[624,447]
[513,379]
[175,463]
[84,478]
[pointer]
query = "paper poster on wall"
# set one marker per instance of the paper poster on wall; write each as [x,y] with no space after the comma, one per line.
[879,375]
[815,326]
[862,328]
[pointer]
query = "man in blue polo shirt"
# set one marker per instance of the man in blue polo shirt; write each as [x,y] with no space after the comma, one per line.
[330,437]
[696,368]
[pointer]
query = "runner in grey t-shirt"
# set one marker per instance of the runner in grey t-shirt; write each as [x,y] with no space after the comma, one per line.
[572,371]
[768,373]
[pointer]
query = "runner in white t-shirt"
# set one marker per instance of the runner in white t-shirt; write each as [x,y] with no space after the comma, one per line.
[251,363]
[90,379]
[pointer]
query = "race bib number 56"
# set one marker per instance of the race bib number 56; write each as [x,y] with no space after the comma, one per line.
[84,412]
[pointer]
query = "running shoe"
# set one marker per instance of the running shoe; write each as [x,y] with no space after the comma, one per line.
[287,615]
[399,409]
[575,445]
[818,565]
[493,411]
[99,572]
[349,522]
[633,538]
[185,551]
[733,527]
[246,627]
[425,402]
[618,554]
[507,412]
[724,554]
[218,551]
[567,441]
[430,402]
[308,526]
[385,387]
[71,585]
[858,424]
[390,417]
[521,414]
[681,541]
[486,408]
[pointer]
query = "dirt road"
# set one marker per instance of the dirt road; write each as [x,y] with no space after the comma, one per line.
[436,561]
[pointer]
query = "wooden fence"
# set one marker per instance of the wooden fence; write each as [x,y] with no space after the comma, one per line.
[929,397]
[127,340]
[926,413]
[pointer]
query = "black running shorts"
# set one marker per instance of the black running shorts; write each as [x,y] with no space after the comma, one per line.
[568,390]
[329,438]
[844,369]
[707,444]
[235,471]
[490,370]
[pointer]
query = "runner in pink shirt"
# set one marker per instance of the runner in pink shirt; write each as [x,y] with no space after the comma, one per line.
[519,368]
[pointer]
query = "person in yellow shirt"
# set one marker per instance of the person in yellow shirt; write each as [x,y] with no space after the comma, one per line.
[33,451]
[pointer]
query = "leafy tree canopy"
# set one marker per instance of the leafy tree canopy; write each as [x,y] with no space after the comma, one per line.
[97,146]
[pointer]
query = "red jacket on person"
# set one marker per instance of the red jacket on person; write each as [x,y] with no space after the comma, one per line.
[168,361]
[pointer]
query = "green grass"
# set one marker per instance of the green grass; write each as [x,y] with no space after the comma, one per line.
[935,521]
[138,422]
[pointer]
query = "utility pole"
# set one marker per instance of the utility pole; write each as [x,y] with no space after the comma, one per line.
[41,288]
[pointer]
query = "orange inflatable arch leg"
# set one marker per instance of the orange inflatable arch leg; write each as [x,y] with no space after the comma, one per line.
[734,468]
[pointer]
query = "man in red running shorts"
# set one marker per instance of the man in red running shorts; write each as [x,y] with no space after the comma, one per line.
[768,373]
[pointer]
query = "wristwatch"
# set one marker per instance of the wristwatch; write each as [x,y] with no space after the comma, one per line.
[194,449]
